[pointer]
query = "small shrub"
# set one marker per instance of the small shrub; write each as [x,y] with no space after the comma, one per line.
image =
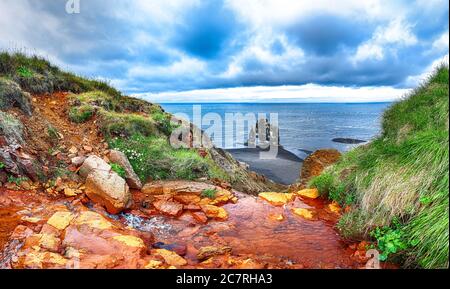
[24,72]
[2,165]
[209,193]
[118,169]
[153,157]
[390,240]
[52,134]
[163,122]
[17,180]
[126,125]
[81,114]
[322,183]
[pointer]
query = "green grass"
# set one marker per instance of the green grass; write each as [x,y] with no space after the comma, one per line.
[118,169]
[17,180]
[2,165]
[402,176]
[126,125]
[209,193]
[81,114]
[36,75]
[120,116]
[24,72]
[52,134]
[152,157]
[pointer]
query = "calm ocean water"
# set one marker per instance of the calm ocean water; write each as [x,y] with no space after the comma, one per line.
[303,126]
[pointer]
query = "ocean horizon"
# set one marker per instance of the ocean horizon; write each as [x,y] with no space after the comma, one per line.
[304,127]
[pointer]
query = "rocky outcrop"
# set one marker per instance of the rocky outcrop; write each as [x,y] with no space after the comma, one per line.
[108,189]
[120,158]
[93,163]
[177,187]
[242,179]
[315,163]
[11,95]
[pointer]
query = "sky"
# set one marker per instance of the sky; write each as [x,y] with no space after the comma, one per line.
[234,50]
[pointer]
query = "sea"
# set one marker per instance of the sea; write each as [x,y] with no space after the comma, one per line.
[303,127]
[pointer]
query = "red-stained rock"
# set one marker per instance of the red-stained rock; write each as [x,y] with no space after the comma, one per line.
[168,207]
[176,187]
[187,199]
[200,217]
[315,163]
[210,251]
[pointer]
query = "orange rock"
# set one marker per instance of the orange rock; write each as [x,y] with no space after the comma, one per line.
[276,217]
[153,264]
[315,163]
[215,212]
[187,199]
[171,257]
[192,207]
[334,207]
[309,193]
[305,213]
[60,220]
[93,220]
[130,241]
[210,251]
[277,199]
[200,217]
[168,207]
[38,259]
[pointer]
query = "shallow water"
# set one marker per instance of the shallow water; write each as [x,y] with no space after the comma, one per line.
[251,231]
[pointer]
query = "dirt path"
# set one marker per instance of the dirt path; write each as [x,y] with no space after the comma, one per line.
[51,111]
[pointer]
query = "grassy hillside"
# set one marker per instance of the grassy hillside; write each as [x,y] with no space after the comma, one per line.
[397,186]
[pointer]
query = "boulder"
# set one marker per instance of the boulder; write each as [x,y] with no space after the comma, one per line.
[315,163]
[93,163]
[215,212]
[11,130]
[168,207]
[171,257]
[107,188]
[77,161]
[211,251]
[11,95]
[121,159]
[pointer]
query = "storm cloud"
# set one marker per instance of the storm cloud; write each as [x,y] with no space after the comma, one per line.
[177,45]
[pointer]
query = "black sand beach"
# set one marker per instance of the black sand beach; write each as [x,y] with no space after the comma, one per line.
[285,169]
